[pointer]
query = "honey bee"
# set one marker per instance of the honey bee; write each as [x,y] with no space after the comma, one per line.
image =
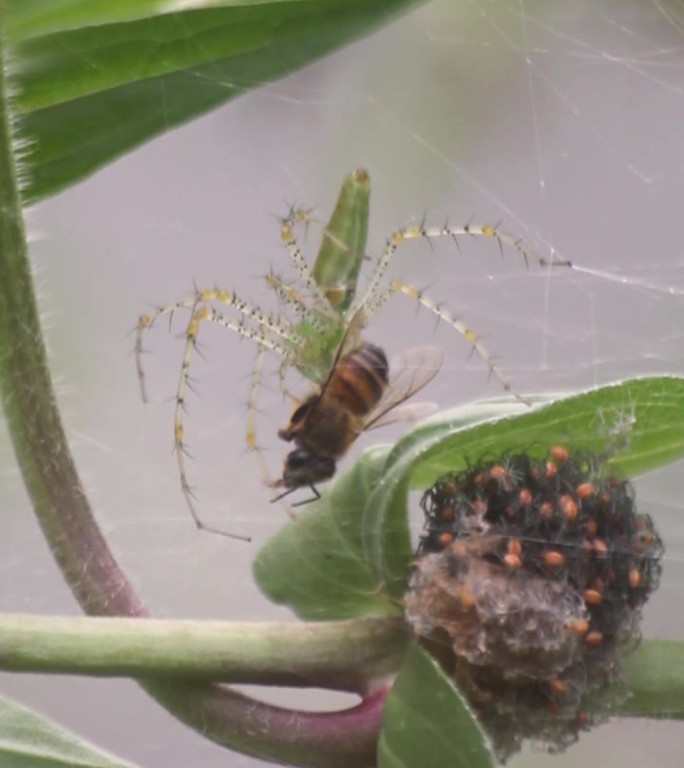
[362,392]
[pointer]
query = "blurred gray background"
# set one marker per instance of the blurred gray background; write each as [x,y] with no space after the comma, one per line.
[563,120]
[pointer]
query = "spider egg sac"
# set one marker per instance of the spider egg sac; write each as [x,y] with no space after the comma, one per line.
[528,586]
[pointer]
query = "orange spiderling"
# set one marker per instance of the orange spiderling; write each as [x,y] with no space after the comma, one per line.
[525,497]
[553,559]
[559,453]
[594,638]
[592,597]
[569,507]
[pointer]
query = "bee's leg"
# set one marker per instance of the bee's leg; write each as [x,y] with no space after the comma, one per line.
[282,495]
[316,496]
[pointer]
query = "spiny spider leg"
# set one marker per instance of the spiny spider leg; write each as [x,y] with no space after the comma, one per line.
[284,389]
[250,431]
[293,298]
[287,235]
[250,434]
[302,216]
[310,317]
[258,334]
[426,233]
[275,326]
[412,292]
[298,216]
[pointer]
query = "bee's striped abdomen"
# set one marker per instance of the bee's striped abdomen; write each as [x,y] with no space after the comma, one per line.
[360,378]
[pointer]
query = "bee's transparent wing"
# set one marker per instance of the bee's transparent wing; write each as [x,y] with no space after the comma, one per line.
[403,412]
[409,373]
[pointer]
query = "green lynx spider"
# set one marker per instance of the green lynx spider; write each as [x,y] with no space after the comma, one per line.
[325,307]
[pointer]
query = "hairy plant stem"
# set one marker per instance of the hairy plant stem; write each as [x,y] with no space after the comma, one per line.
[343,739]
[341,655]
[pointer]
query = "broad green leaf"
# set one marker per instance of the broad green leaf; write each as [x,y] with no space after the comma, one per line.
[30,18]
[427,722]
[638,424]
[316,565]
[654,675]
[96,78]
[28,740]
[387,540]
[332,561]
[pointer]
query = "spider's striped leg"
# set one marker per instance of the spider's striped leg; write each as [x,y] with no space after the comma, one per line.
[341,253]
[292,298]
[250,435]
[245,308]
[287,235]
[266,335]
[310,319]
[282,384]
[250,432]
[422,232]
[298,216]
[147,321]
[303,217]
[412,292]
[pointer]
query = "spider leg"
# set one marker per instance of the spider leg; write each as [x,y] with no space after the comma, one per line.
[421,232]
[412,292]
[276,326]
[334,274]
[147,321]
[318,331]
[284,389]
[289,239]
[250,432]
[293,299]
[298,216]
[261,334]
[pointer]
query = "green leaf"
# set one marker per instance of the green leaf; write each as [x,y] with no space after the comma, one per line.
[638,424]
[655,678]
[332,561]
[428,723]
[96,78]
[30,741]
[387,540]
[316,563]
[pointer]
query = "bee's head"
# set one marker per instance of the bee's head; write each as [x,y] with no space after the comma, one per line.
[304,468]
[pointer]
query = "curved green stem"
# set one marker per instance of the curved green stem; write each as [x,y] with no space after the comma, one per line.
[32,416]
[341,655]
[341,739]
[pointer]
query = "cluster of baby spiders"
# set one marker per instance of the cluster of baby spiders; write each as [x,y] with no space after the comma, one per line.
[325,309]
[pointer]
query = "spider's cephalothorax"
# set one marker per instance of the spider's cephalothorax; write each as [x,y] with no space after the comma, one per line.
[325,309]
